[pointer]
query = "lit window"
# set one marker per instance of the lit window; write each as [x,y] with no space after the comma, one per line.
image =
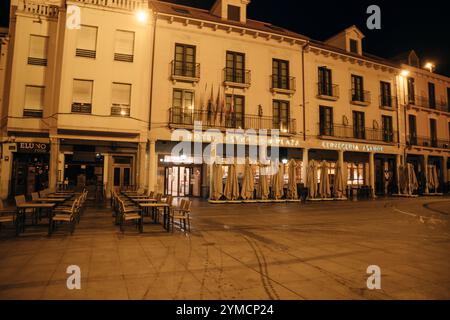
[86,42]
[34,101]
[124,46]
[82,96]
[37,54]
[121,95]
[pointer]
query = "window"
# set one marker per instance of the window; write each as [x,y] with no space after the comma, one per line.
[86,42]
[325,82]
[234,13]
[448,99]
[121,96]
[235,105]
[411,91]
[431,95]
[358,125]
[82,96]
[124,46]
[353,46]
[182,106]
[280,74]
[326,121]
[433,133]
[184,61]
[355,174]
[385,94]
[412,129]
[34,101]
[235,67]
[37,54]
[388,133]
[357,88]
[281,115]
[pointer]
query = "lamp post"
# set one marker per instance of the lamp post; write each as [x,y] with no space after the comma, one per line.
[404,76]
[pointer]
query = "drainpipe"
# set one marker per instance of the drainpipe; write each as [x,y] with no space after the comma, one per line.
[155,18]
[303,88]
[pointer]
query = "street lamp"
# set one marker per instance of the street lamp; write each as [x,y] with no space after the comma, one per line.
[429,66]
[141,16]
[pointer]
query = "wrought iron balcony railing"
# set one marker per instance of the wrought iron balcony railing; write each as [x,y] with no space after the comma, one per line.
[360,97]
[359,133]
[237,77]
[282,84]
[78,107]
[327,91]
[122,110]
[424,102]
[420,141]
[86,53]
[186,118]
[185,71]
[387,102]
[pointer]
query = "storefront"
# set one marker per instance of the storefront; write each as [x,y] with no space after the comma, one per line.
[30,168]
[385,174]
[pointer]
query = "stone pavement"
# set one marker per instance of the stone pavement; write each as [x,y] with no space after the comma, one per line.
[251,251]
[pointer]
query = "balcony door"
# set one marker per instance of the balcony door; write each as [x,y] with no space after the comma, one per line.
[281,115]
[235,67]
[357,88]
[122,172]
[359,125]
[184,60]
[325,81]
[412,129]
[280,71]
[326,121]
[433,132]
[388,134]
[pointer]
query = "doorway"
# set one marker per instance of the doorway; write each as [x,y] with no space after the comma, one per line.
[122,177]
[385,175]
[182,181]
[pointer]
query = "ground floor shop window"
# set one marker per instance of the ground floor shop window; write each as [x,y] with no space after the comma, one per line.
[355,174]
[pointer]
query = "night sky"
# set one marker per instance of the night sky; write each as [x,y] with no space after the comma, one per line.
[405,25]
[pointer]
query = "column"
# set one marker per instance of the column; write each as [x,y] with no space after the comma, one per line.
[305,162]
[398,163]
[213,154]
[372,172]
[53,168]
[142,148]
[152,168]
[425,171]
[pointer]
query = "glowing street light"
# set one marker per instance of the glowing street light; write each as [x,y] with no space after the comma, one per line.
[429,66]
[142,16]
[404,73]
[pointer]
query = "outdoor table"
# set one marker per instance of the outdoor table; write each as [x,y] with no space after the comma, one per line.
[52,199]
[143,200]
[29,205]
[166,208]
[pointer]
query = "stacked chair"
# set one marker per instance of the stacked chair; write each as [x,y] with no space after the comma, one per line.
[69,212]
[7,215]
[125,211]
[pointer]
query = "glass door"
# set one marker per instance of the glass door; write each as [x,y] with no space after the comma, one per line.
[178,181]
[122,177]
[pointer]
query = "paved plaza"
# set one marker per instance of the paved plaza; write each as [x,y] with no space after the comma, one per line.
[253,251]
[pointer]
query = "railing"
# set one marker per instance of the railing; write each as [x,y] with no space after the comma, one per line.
[361,133]
[360,96]
[78,107]
[389,102]
[327,91]
[427,142]
[37,61]
[240,77]
[123,57]
[424,102]
[40,9]
[182,117]
[282,83]
[86,53]
[120,110]
[187,70]
[32,113]
[129,5]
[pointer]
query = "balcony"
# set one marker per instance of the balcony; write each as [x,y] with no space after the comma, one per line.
[84,53]
[360,97]
[32,113]
[128,5]
[427,142]
[353,133]
[387,102]
[282,85]
[185,71]
[123,57]
[424,102]
[78,107]
[186,118]
[120,110]
[37,61]
[237,78]
[327,92]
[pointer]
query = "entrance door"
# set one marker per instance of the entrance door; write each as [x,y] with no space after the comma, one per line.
[122,177]
[178,181]
[385,176]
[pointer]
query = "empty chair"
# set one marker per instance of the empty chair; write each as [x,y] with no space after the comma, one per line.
[130,213]
[29,211]
[182,214]
[65,215]
[7,215]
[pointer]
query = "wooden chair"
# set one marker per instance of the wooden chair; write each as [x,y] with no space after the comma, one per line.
[130,213]
[21,199]
[182,214]
[65,215]
[169,201]
[6,214]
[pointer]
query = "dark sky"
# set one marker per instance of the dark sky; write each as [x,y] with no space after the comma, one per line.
[405,24]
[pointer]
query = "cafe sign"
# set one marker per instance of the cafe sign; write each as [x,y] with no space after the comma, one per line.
[33,147]
[345,146]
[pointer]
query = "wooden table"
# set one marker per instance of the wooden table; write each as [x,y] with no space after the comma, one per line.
[165,206]
[143,200]
[56,200]
[29,205]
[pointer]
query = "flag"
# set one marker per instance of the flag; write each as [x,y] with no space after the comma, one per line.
[211,108]
[218,107]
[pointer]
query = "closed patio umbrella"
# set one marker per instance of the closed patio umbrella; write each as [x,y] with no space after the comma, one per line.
[263,185]
[277,183]
[311,179]
[339,184]
[217,186]
[324,188]
[232,186]
[413,179]
[430,178]
[292,184]
[248,184]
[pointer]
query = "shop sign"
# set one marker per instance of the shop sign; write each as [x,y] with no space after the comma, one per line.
[345,146]
[33,147]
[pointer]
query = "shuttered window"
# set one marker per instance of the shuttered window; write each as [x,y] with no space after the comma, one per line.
[37,54]
[86,42]
[82,96]
[34,101]
[121,95]
[124,46]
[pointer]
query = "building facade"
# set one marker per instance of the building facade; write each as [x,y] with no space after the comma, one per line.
[101,103]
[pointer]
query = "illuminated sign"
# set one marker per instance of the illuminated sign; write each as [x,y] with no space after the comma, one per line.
[345,146]
[33,147]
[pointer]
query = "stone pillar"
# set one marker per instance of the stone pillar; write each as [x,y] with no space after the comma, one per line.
[398,163]
[305,162]
[372,173]
[425,171]
[53,168]
[445,168]
[153,166]
[141,165]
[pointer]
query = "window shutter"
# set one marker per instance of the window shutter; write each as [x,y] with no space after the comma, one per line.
[87,38]
[82,91]
[34,97]
[38,47]
[121,94]
[124,42]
